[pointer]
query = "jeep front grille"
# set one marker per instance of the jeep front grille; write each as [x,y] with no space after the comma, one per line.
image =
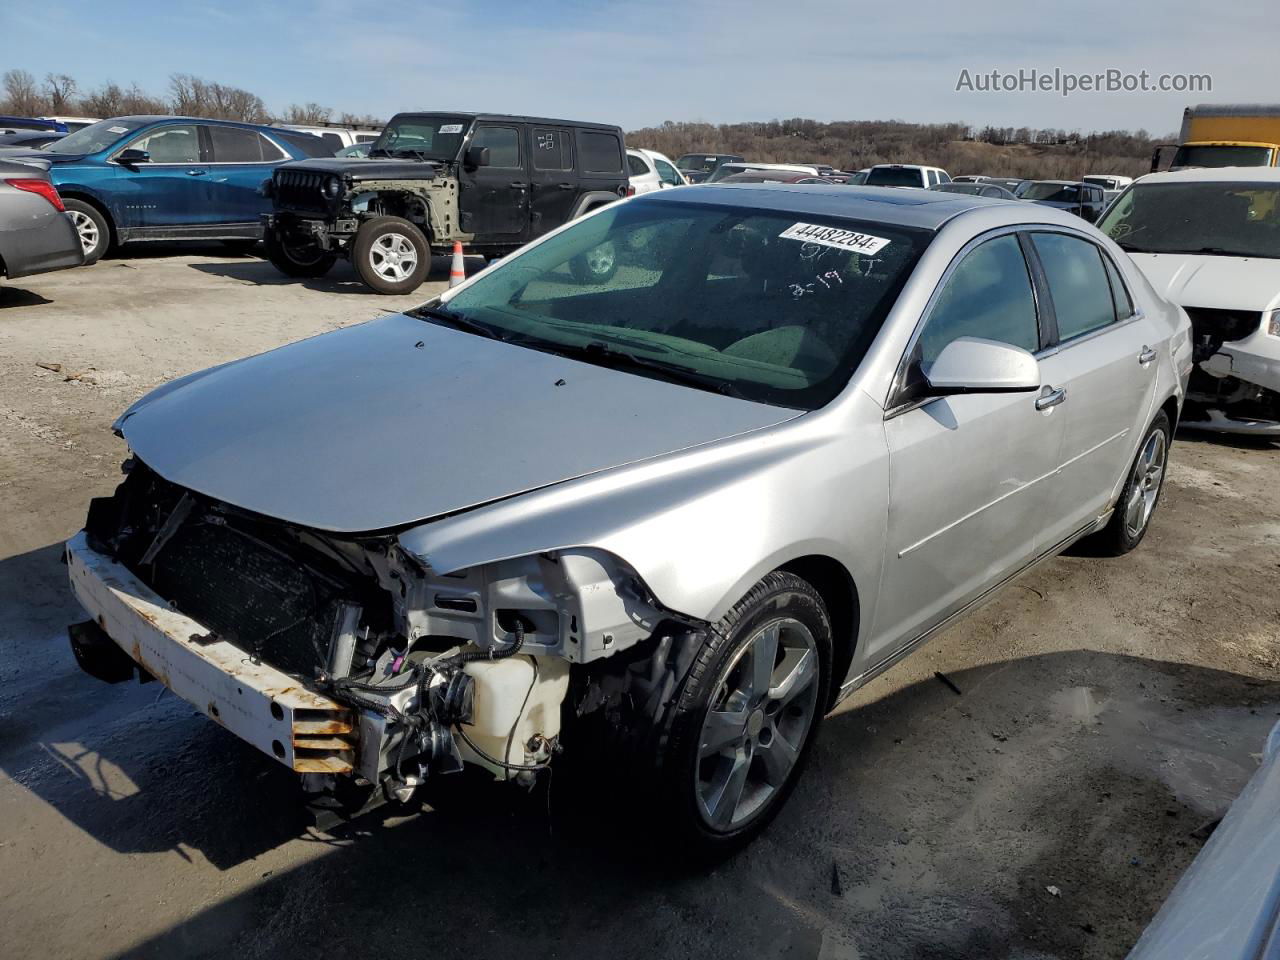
[300,190]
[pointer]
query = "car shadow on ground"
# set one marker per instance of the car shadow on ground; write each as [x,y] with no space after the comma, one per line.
[341,278]
[11,296]
[929,823]
[1238,440]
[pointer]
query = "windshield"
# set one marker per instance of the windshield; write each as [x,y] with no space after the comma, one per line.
[701,162]
[1228,219]
[95,137]
[733,300]
[1053,192]
[1222,156]
[894,177]
[430,138]
[1106,183]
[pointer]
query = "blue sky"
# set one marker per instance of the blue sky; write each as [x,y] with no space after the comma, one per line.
[645,61]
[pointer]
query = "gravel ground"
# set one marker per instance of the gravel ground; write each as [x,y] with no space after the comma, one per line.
[1107,709]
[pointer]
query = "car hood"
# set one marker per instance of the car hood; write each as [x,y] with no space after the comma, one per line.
[368,168]
[1227,283]
[400,420]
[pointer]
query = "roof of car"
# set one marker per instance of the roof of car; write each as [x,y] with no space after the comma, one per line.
[513,118]
[1219,174]
[906,206]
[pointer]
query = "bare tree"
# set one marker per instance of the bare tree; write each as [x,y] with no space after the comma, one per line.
[307,113]
[361,120]
[59,89]
[192,96]
[21,95]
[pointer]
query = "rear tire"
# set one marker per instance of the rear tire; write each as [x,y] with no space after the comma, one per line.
[1141,494]
[92,226]
[309,260]
[391,255]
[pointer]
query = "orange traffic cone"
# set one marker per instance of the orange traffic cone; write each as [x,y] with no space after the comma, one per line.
[457,272]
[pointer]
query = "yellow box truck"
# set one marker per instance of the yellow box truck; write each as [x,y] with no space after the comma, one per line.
[1229,135]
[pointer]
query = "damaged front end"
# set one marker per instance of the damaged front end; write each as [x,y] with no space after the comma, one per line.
[1235,384]
[345,654]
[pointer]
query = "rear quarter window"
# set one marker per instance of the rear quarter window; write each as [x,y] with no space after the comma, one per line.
[599,152]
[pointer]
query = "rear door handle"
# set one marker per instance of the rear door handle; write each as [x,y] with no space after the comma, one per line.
[518,185]
[1051,398]
[196,173]
[566,186]
[1146,356]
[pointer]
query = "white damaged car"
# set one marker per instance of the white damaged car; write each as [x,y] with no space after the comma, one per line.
[663,521]
[1209,239]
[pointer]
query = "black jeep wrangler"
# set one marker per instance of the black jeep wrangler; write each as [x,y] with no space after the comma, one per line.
[492,182]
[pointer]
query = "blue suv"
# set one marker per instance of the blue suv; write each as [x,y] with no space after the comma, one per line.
[170,178]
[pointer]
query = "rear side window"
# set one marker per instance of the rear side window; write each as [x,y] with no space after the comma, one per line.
[1078,284]
[989,296]
[1119,294]
[551,150]
[600,152]
[232,145]
[636,166]
[503,144]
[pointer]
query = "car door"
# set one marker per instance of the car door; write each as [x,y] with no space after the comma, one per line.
[494,200]
[170,190]
[1103,357]
[967,490]
[240,160]
[552,180]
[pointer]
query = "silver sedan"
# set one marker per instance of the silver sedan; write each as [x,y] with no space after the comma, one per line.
[683,506]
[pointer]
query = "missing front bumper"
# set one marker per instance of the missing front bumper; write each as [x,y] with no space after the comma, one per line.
[304,730]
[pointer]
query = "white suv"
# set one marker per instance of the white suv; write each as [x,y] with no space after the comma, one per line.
[906,175]
[649,170]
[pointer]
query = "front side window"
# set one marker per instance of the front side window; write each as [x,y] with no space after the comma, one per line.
[1216,219]
[173,144]
[503,144]
[988,296]
[1078,284]
[728,299]
[668,173]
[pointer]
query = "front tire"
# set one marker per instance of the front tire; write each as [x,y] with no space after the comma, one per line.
[391,255]
[92,227]
[1132,517]
[295,260]
[746,715]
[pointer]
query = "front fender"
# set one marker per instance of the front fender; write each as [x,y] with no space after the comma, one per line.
[699,527]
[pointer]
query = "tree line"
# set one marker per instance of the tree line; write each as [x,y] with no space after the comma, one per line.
[59,94]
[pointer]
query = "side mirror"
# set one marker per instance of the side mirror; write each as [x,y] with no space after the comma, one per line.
[476,157]
[971,365]
[132,157]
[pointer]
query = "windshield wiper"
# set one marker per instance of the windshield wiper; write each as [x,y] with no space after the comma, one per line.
[605,355]
[1214,252]
[456,320]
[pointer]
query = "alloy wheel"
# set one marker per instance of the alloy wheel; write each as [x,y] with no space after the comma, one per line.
[393,257]
[760,714]
[87,229]
[1144,486]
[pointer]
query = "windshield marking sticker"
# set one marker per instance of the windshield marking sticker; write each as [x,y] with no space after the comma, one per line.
[834,237]
[450,128]
[118,129]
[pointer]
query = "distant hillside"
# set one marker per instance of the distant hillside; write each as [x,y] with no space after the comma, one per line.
[959,149]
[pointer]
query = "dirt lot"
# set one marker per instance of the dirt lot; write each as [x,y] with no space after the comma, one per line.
[1107,709]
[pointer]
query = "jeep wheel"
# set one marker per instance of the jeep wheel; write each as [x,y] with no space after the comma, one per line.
[391,255]
[298,260]
[597,265]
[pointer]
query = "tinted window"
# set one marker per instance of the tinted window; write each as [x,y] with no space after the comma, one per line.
[894,177]
[551,150]
[1053,192]
[303,143]
[1077,283]
[175,144]
[231,145]
[1119,295]
[761,308]
[988,295]
[636,166]
[600,152]
[503,144]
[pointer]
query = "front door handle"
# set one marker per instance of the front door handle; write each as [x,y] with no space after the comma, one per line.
[1051,397]
[196,173]
[1146,356]
[516,184]
[566,186]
